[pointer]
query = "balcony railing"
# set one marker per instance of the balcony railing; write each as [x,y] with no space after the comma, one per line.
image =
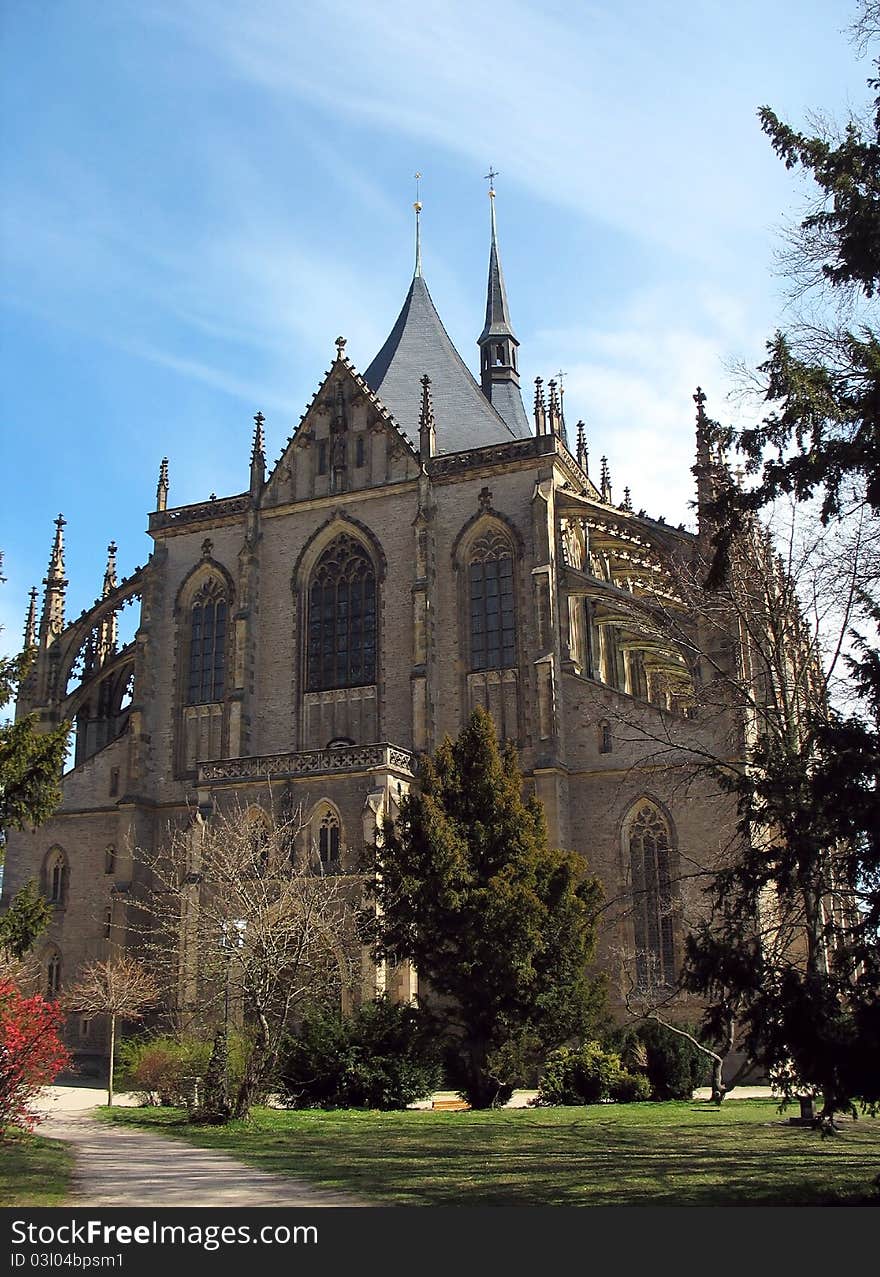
[310,762]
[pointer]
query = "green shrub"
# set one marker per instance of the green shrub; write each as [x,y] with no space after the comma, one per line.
[630,1088]
[164,1070]
[383,1056]
[674,1066]
[160,1070]
[588,1074]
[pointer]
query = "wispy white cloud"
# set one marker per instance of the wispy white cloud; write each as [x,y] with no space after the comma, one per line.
[579,104]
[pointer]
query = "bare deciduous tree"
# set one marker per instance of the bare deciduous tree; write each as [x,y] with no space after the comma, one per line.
[120,989]
[243,926]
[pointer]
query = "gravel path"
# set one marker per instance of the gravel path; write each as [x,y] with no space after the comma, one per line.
[118,1167]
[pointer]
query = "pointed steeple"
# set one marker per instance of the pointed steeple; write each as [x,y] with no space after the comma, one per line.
[427,430]
[258,455]
[499,370]
[162,486]
[30,624]
[52,619]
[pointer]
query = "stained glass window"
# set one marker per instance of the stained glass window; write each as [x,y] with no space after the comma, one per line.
[207,648]
[652,898]
[342,618]
[492,606]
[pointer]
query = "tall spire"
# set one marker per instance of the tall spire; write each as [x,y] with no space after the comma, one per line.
[30,624]
[499,370]
[52,619]
[162,486]
[418,208]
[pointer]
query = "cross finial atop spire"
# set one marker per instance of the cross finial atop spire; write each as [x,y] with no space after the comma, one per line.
[418,208]
[490,178]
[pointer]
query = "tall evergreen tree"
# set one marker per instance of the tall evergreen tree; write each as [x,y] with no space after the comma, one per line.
[809,802]
[500,925]
[30,761]
[30,789]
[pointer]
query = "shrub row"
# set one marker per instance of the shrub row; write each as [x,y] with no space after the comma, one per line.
[385,1056]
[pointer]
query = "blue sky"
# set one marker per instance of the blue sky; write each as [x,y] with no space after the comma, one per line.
[199,196]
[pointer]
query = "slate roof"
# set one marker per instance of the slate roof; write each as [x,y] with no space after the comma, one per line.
[418,344]
[507,402]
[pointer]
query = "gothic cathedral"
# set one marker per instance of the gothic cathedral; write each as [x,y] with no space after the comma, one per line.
[419,548]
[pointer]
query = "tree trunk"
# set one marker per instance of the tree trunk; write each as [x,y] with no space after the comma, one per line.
[112,1057]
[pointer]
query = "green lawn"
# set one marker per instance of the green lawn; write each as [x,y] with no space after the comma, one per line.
[688,1154]
[34,1171]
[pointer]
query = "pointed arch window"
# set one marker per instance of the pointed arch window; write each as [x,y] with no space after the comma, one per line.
[328,840]
[56,877]
[649,844]
[342,618]
[53,975]
[207,648]
[492,605]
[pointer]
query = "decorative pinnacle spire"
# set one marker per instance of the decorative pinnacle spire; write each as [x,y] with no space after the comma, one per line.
[540,411]
[427,430]
[605,480]
[627,500]
[418,208]
[426,412]
[56,558]
[52,619]
[110,570]
[553,422]
[340,347]
[162,486]
[258,451]
[30,624]
[582,446]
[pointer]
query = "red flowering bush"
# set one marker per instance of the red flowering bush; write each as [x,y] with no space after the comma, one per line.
[31,1052]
